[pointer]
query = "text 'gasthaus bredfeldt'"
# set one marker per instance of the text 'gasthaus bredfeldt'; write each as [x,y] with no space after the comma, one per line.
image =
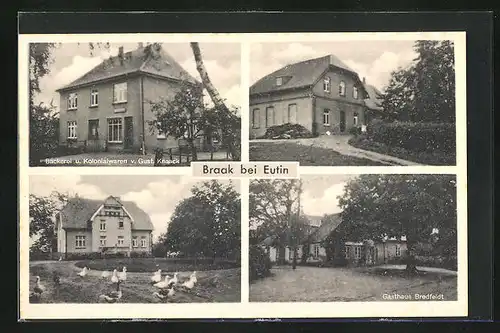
[245,170]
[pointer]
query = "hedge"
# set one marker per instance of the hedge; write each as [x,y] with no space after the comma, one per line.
[259,263]
[419,137]
[287,131]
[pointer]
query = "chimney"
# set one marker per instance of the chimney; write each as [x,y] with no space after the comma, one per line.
[120,51]
[141,45]
[364,80]
[330,58]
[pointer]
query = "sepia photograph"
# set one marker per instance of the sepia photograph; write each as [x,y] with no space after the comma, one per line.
[133,104]
[133,239]
[372,102]
[343,238]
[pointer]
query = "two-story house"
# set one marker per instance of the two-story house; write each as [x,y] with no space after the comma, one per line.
[108,108]
[112,225]
[322,94]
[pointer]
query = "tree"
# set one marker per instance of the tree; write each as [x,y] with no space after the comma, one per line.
[41,213]
[380,206]
[274,211]
[231,124]
[207,223]
[424,91]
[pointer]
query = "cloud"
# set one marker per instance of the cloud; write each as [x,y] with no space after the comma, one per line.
[327,203]
[69,184]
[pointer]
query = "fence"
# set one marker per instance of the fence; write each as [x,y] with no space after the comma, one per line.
[83,146]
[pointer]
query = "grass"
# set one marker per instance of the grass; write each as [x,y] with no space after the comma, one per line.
[305,155]
[312,284]
[149,265]
[430,158]
[212,286]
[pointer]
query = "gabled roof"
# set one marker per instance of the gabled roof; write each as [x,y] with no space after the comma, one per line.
[78,211]
[374,99]
[157,62]
[298,75]
[328,225]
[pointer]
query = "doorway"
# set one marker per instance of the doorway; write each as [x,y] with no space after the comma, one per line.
[342,121]
[128,133]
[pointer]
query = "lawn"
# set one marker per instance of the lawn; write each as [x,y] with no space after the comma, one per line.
[305,155]
[212,286]
[313,284]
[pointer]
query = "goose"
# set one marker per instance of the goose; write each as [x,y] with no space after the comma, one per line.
[174,280]
[105,274]
[39,288]
[114,277]
[189,284]
[163,284]
[60,259]
[122,276]
[156,276]
[112,296]
[84,272]
[193,277]
[165,293]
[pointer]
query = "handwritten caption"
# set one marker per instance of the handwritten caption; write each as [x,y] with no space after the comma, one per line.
[246,170]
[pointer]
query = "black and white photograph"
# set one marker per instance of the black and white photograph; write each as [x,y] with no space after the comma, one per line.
[133,239]
[345,238]
[133,104]
[374,102]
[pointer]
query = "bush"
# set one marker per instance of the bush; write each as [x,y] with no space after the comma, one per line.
[140,254]
[355,130]
[94,255]
[448,262]
[287,131]
[259,263]
[417,137]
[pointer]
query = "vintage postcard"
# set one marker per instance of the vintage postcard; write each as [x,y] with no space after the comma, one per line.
[318,175]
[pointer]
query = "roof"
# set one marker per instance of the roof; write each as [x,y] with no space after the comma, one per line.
[78,211]
[297,75]
[156,62]
[327,227]
[374,97]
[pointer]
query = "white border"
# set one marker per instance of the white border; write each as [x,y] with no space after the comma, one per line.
[246,309]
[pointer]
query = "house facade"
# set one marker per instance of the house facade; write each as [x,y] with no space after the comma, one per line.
[327,244]
[322,94]
[108,108]
[111,225]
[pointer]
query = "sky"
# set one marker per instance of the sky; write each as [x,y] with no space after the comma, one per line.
[156,195]
[373,60]
[319,193]
[72,60]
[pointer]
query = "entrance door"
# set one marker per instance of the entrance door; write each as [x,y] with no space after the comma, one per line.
[342,121]
[128,133]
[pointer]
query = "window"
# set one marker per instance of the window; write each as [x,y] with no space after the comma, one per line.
[326,84]
[72,101]
[357,252]
[292,113]
[120,92]
[134,241]
[398,250]
[80,241]
[355,93]
[121,240]
[269,116]
[120,224]
[256,118]
[279,81]
[94,97]
[112,211]
[355,119]
[143,241]
[347,252]
[102,241]
[102,225]
[316,250]
[115,130]
[93,129]
[342,88]
[72,130]
[326,117]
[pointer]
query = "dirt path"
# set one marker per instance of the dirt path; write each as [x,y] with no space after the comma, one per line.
[312,284]
[339,144]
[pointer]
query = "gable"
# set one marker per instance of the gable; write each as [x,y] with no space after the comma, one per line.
[328,225]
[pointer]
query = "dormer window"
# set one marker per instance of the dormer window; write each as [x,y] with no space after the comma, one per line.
[279,81]
[342,88]
[326,84]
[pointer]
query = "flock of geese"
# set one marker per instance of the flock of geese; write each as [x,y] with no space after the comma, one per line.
[166,286]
